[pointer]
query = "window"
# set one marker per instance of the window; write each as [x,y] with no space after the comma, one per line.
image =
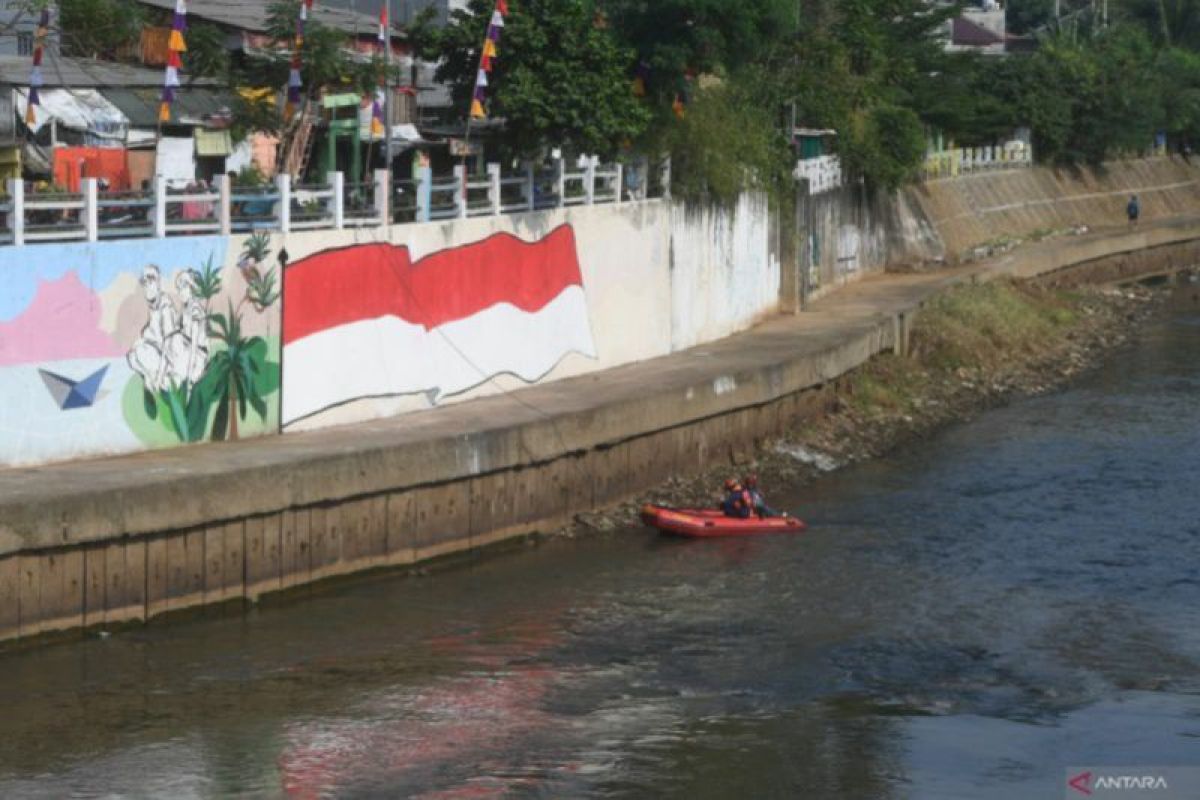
[25,43]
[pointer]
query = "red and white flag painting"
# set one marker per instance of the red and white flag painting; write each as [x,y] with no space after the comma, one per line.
[366,321]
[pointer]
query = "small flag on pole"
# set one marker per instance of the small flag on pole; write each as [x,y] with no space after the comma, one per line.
[176,47]
[487,55]
[35,72]
[295,83]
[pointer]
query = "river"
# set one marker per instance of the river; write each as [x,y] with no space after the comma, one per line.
[965,619]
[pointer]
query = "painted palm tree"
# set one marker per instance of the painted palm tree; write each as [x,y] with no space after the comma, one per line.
[232,374]
[261,290]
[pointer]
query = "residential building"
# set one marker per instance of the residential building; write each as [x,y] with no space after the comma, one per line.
[979,29]
[16,32]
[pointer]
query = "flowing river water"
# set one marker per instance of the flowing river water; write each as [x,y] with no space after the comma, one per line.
[965,619]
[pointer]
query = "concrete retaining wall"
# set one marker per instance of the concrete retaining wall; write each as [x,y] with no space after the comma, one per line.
[102,542]
[972,210]
[99,544]
[104,348]
[724,269]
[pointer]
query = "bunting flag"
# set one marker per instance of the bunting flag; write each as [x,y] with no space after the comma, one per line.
[378,128]
[641,78]
[35,72]
[295,84]
[489,53]
[176,47]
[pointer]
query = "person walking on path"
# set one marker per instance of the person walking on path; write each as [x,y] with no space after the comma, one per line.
[1133,209]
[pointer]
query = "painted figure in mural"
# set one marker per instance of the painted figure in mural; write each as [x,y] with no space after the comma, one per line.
[187,347]
[173,347]
[147,357]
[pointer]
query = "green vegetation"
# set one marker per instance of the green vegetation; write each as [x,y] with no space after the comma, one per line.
[975,325]
[972,333]
[560,78]
[106,29]
[717,85]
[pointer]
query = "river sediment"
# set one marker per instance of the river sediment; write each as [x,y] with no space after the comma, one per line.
[973,348]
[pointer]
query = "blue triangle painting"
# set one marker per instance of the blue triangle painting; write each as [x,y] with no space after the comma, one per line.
[70,394]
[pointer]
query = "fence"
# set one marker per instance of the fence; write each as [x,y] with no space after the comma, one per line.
[965,160]
[284,206]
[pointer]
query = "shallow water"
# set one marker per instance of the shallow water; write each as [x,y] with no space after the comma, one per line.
[965,619]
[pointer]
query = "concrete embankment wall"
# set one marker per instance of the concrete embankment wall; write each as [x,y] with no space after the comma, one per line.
[100,542]
[104,542]
[974,210]
[848,232]
[105,349]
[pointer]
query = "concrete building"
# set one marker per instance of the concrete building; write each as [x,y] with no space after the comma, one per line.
[16,32]
[979,29]
[403,11]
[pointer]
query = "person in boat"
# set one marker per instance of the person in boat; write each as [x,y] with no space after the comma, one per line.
[738,503]
[757,502]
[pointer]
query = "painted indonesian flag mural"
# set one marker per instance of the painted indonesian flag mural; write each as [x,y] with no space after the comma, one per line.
[367,321]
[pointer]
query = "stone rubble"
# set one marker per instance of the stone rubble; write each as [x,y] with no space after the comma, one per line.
[1110,318]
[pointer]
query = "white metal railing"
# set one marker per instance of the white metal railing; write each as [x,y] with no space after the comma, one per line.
[91,215]
[966,160]
[822,173]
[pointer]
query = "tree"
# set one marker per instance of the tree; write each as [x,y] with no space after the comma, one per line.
[1179,72]
[677,38]
[206,55]
[725,143]
[870,69]
[561,78]
[100,28]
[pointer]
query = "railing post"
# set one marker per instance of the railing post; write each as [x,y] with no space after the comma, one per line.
[283,182]
[493,171]
[383,188]
[225,204]
[16,216]
[339,200]
[530,187]
[589,181]
[160,206]
[91,210]
[424,193]
[560,181]
[461,195]
[619,180]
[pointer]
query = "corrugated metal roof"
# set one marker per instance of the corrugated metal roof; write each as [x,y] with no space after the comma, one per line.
[84,73]
[81,109]
[251,15]
[191,105]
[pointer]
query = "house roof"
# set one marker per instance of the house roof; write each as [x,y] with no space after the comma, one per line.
[251,15]
[967,33]
[191,105]
[82,73]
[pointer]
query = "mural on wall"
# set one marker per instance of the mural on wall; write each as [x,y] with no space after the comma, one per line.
[367,321]
[117,346]
[200,373]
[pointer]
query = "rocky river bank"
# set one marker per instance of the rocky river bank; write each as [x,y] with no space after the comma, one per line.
[972,349]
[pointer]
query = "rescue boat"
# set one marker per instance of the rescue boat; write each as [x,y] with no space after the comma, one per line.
[700,523]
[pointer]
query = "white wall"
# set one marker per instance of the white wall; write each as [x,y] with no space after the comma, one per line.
[724,270]
[657,278]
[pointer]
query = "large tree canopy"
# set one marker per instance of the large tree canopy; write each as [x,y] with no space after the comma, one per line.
[561,78]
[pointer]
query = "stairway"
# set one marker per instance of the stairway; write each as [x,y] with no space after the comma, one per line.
[300,147]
